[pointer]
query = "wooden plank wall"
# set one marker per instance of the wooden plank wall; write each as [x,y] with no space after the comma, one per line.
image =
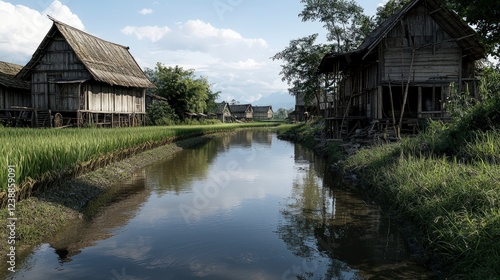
[61,63]
[437,58]
[105,98]
[14,97]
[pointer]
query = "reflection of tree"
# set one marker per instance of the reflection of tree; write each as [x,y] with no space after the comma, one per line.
[335,224]
[176,173]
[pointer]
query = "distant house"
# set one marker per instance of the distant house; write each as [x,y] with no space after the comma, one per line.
[404,70]
[77,79]
[153,98]
[263,112]
[15,95]
[223,112]
[242,112]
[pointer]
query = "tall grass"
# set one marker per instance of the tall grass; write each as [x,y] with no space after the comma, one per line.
[45,152]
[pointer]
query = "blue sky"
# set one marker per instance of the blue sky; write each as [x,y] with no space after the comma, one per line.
[228,41]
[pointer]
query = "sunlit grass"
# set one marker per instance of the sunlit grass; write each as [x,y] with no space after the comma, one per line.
[38,152]
[450,193]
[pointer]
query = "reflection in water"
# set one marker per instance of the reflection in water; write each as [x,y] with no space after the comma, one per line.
[81,235]
[322,219]
[243,206]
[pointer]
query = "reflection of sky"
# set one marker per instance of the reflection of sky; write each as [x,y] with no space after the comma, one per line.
[233,233]
[237,175]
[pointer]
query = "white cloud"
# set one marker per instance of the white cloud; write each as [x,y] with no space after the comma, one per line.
[202,30]
[247,64]
[153,33]
[237,66]
[23,28]
[145,11]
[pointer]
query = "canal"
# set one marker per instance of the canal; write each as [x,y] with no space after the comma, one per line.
[242,206]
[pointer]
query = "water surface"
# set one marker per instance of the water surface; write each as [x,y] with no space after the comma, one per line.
[244,206]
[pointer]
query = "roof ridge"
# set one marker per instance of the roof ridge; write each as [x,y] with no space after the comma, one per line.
[58,22]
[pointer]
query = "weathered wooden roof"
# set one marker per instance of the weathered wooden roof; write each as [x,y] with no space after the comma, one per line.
[262,109]
[221,107]
[107,62]
[242,108]
[461,33]
[8,71]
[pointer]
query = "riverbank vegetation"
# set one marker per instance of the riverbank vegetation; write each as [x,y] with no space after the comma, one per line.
[46,154]
[445,182]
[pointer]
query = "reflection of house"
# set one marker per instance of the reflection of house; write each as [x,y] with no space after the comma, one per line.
[15,97]
[405,68]
[242,112]
[263,112]
[78,78]
[223,112]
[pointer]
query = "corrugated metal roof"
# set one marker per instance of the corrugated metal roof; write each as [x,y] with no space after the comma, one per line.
[8,71]
[107,62]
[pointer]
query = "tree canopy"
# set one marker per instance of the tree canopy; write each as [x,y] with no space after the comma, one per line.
[301,61]
[484,16]
[344,21]
[184,91]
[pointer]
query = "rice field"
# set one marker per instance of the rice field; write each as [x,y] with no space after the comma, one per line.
[42,153]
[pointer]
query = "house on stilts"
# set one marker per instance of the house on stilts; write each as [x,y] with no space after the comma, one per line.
[78,79]
[404,71]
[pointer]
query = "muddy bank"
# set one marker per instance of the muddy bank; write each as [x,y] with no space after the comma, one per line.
[75,200]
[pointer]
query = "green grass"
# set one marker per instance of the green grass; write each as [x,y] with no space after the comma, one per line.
[38,153]
[449,190]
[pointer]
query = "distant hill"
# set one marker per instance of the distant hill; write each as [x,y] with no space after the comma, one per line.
[277,100]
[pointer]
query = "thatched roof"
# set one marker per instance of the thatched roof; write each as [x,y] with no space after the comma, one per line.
[235,109]
[462,33]
[262,109]
[8,71]
[221,107]
[107,62]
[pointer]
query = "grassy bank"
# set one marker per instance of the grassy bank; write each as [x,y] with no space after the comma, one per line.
[445,183]
[45,154]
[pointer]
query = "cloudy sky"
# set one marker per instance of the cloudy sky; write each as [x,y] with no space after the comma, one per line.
[228,41]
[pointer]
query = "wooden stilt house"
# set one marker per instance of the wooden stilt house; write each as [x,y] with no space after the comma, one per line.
[263,112]
[15,96]
[223,112]
[405,70]
[242,111]
[79,79]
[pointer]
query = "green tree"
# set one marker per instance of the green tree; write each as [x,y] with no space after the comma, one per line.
[390,8]
[161,113]
[484,16]
[211,101]
[301,61]
[281,114]
[184,91]
[344,20]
